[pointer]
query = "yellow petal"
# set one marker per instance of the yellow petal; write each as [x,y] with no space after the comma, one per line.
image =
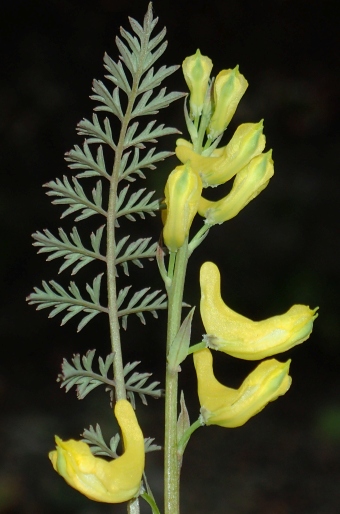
[182,194]
[247,142]
[196,70]
[110,482]
[236,335]
[230,408]
[248,183]
[183,142]
[229,87]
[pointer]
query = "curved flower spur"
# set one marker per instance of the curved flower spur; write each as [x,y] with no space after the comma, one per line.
[109,482]
[230,408]
[236,335]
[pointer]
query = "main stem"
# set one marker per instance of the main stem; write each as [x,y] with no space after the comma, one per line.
[171,458]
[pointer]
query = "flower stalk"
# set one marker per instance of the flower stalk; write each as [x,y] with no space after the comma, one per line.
[171,457]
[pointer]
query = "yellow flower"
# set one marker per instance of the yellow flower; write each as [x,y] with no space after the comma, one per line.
[196,70]
[230,408]
[241,337]
[110,482]
[246,143]
[229,87]
[248,183]
[182,194]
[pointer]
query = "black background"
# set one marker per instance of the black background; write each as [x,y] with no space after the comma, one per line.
[282,249]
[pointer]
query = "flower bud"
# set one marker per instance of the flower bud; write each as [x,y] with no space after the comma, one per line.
[230,408]
[248,183]
[247,142]
[229,87]
[196,70]
[182,194]
[238,336]
[110,482]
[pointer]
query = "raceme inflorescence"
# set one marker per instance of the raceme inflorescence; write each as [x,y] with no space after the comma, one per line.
[110,193]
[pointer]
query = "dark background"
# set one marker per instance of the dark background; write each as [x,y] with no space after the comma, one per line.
[282,249]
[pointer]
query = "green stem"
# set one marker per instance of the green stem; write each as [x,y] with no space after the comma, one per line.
[197,347]
[171,458]
[201,133]
[172,261]
[204,122]
[186,436]
[199,237]
[151,501]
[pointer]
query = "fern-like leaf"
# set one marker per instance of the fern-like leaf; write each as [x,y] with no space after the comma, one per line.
[135,204]
[56,297]
[138,305]
[136,250]
[148,135]
[149,446]
[116,74]
[139,52]
[148,26]
[82,158]
[136,165]
[136,383]
[146,107]
[70,248]
[152,79]
[79,373]
[94,132]
[111,103]
[76,198]
[94,438]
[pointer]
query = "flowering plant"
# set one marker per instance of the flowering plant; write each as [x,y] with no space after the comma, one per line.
[203,163]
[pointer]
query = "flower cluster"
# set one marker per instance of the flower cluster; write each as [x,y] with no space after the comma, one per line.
[212,104]
[240,337]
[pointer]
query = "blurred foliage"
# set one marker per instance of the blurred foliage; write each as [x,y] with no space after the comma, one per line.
[327,424]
